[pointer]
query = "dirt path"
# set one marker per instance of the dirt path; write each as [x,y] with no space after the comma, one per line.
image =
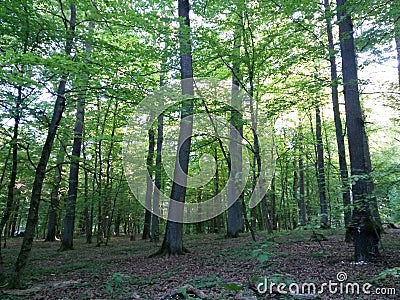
[216,268]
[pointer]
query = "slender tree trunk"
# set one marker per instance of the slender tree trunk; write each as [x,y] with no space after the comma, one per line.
[87,216]
[55,197]
[321,170]
[101,210]
[69,221]
[41,167]
[107,221]
[149,183]
[365,224]
[218,220]
[173,243]
[302,202]
[344,175]
[235,210]
[272,204]
[67,241]
[157,179]
[295,181]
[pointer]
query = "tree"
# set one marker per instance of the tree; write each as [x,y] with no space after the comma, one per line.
[321,170]
[365,222]
[344,176]
[158,169]
[235,211]
[40,173]
[172,243]
[67,241]
[55,196]
[149,188]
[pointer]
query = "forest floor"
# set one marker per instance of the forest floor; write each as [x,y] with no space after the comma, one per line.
[215,268]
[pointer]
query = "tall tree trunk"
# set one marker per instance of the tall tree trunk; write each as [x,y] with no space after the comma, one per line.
[218,220]
[149,183]
[235,210]
[55,197]
[69,220]
[365,222]
[107,221]
[272,204]
[295,181]
[157,179]
[173,243]
[88,215]
[98,176]
[249,60]
[321,170]
[302,202]
[67,241]
[14,168]
[344,175]
[44,158]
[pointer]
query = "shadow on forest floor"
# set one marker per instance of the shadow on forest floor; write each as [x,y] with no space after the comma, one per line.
[216,268]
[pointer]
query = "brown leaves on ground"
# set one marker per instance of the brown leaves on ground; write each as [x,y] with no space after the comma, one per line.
[216,268]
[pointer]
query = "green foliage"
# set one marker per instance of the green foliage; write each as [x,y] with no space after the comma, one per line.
[232,286]
[116,284]
[392,272]
[262,254]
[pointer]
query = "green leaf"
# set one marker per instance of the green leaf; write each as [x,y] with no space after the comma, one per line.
[232,286]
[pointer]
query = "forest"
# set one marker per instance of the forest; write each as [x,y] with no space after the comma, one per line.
[199,150]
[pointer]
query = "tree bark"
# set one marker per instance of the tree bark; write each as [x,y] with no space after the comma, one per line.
[344,175]
[149,183]
[67,241]
[235,210]
[321,170]
[302,202]
[44,158]
[55,197]
[157,180]
[88,215]
[365,223]
[173,244]
[108,210]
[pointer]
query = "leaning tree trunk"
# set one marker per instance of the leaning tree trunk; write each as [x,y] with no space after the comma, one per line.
[344,175]
[55,197]
[321,170]
[365,223]
[173,243]
[40,173]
